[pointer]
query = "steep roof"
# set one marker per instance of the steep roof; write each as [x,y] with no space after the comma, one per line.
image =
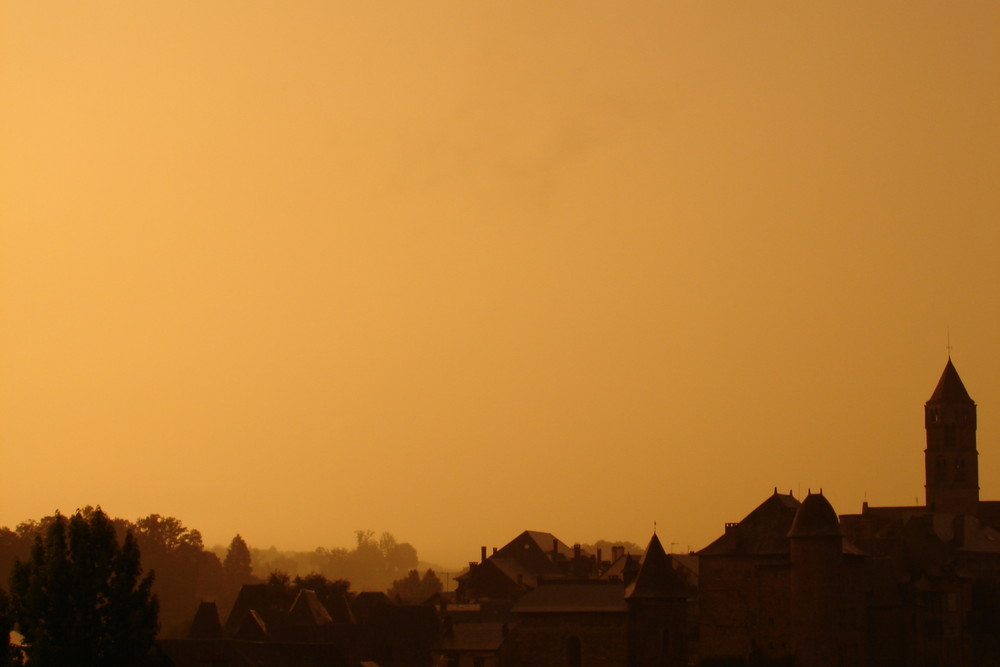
[253,628]
[206,624]
[253,598]
[546,541]
[656,578]
[514,570]
[340,610]
[308,611]
[537,552]
[624,568]
[950,388]
[762,532]
[815,518]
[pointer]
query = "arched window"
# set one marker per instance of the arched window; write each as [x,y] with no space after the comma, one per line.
[960,470]
[574,656]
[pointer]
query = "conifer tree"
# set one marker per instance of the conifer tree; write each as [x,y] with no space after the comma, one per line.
[81,598]
[237,565]
[10,656]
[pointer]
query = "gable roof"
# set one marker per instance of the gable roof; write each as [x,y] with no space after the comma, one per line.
[624,568]
[546,542]
[537,551]
[308,611]
[256,598]
[762,532]
[514,570]
[253,628]
[950,388]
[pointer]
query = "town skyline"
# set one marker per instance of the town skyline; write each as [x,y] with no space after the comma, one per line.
[457,272]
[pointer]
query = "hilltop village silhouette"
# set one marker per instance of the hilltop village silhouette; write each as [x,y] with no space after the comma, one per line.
[790,584]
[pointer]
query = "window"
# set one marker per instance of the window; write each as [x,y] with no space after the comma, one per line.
[574,656]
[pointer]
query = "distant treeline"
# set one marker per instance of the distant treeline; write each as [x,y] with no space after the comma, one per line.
[606,545]
[187,573]
[372,565]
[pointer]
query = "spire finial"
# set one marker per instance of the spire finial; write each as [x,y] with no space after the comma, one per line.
[949,343]
[654,528]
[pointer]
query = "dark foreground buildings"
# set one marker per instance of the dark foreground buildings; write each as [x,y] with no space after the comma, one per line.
[793,584]
[790,584]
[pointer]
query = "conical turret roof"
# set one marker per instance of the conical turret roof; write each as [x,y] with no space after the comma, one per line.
[950,388]
[657,577]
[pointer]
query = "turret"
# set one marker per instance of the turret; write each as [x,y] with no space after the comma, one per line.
[817,584]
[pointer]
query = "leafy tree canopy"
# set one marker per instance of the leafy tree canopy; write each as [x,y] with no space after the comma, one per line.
[606,545]
[414,588]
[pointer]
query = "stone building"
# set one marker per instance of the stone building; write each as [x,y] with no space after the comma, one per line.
[794,584]
[568,607]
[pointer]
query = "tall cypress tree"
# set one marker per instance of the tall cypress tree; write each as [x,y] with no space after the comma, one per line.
[81,598]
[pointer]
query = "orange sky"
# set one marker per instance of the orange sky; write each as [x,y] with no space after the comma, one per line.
[458,269]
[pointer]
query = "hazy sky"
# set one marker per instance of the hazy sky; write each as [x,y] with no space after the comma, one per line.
[456,269]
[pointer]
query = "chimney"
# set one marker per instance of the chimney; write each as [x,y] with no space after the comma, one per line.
[494,551]
[482,554]
[599,561]
[555,546]
[576,551]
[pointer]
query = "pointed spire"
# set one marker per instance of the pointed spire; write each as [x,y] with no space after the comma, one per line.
[950,388]
[657,577]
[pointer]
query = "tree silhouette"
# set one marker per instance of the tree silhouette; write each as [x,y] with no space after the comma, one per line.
[185,572]
[81,598]
[414,588]
[329,592]
[237,566]
[9,655]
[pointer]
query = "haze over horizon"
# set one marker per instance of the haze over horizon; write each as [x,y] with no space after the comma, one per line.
[457,270]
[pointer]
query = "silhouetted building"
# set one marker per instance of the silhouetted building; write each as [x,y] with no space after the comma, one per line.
[793,584]
[659,632]
[518,566]
[790,584]
[569,607]
[571,623]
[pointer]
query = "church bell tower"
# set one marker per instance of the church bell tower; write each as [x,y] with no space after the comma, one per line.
[951,460]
